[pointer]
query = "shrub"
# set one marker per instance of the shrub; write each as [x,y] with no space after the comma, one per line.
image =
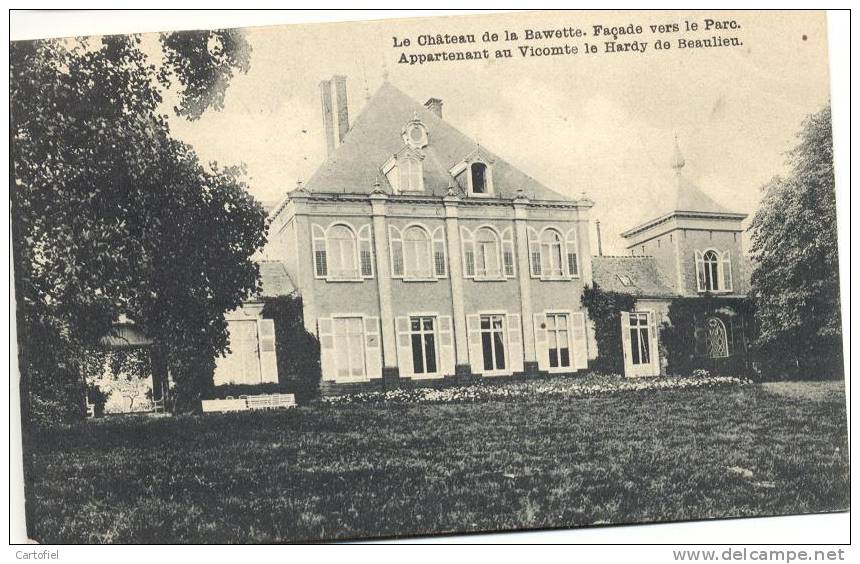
[604,310]
[298,351]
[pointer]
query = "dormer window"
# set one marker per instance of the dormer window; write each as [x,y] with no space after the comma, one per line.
[479,178]
[475,173]
[415,134]
[405,171]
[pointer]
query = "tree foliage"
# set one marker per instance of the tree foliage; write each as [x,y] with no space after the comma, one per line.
[112,216]
[795,280]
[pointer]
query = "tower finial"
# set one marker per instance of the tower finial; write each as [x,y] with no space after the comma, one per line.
[678,161]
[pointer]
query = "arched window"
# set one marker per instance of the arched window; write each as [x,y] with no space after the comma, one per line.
[341,255]
[478,172]
[717,338]
[341,250]
[417,253]
[487,260]
[711,265]
[551,253]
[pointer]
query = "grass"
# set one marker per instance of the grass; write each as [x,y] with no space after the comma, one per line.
[357,471]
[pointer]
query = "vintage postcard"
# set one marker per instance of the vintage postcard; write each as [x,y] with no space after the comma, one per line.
[422,276]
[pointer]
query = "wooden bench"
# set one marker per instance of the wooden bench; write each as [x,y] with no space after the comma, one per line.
[245,403]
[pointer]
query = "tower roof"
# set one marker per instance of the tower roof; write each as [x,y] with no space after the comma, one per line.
[376,135]
[686,199]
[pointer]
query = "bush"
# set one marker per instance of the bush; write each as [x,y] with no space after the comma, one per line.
[98,398]
[604,310]
[298,351]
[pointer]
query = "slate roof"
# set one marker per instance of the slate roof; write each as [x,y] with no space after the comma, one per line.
[375,136]
[642,271]
[275,280]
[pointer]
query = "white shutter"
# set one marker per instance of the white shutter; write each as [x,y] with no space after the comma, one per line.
[572,254]
[625,343]
[404,346]
[515,342]
[476,355]
[541,345]
[726,271]
[328,365]
[440,257]
[700,271]
[580,342]
[654,343]
[468,243]
[268,356]
[372,348]
[534,253]
[320,255]
[446,345]
[395,242]
[509,257]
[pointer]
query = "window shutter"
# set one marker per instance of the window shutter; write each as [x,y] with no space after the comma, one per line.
[654,343]
[396,244]
[476,356]
[726,271]
[572,262]
[541,345]
[268,355]
[700,271]
[372,349]
[446,345]
[404,346]
[508,255]
[625,343]
[365,254]
[325,330]
[468,243]
[580,340]
[320,257]
[440,260]
[534,253]
[515,342]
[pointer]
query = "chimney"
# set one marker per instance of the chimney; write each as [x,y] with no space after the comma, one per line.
[599,241]
[328,123]
[435,106]
[342,106]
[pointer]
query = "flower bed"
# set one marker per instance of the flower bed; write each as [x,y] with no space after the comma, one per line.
[571,386]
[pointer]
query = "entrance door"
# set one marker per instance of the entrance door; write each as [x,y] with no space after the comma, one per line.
[639,338]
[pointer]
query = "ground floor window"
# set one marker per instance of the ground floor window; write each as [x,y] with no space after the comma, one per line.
[558,337]
[422,331]
[717,339]
[493,342]
[640,344]
[348,333]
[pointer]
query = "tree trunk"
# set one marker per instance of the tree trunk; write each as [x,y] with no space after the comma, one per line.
[159,371]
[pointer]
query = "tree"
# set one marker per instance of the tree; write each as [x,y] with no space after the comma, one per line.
[795,279]
[112,216]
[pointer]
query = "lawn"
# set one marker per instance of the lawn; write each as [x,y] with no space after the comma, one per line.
[369,470]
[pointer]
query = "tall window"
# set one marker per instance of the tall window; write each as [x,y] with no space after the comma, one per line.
[717,339]
[341,250]
[487,251]
[713,271]
[711,265]
[348,333]
[340,255]
[551,254]
[558,337]
[479,178]
[416,255]
[640,345]
[493,342]
[423,336]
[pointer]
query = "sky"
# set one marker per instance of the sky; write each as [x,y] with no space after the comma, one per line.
[601,124]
